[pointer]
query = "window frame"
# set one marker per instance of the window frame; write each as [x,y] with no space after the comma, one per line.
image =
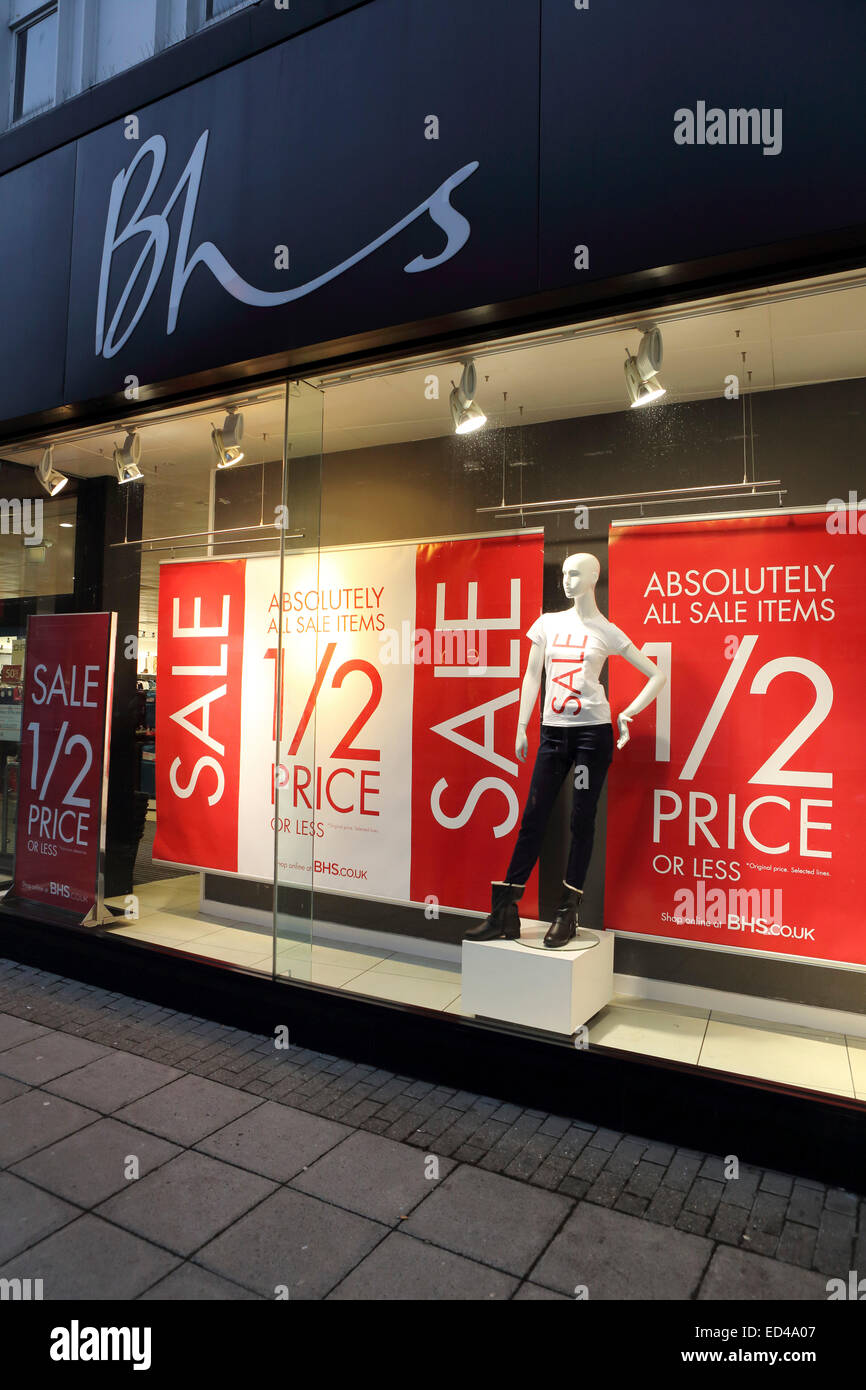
[19,32]
[208,19]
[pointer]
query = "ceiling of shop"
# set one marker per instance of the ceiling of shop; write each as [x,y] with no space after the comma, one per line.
[792,342]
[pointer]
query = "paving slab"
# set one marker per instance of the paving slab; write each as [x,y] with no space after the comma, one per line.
[41,1059]
[295,1241]
[373,1176]
[27,1215]
[90,1259]
[489,1218]
[187,1201]
[787,1220]
[18,1030]
[89,1166]
[30,1121]
[535,1293]
[617,1256]
[115,1080]
[274,1140]
[739,1274]
[191,1284]
[187,1110]
[402,1269]
[10,1088]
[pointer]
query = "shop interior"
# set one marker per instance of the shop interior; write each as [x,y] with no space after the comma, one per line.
[764,406]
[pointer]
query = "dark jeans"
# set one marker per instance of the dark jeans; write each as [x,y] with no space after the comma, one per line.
[588,746]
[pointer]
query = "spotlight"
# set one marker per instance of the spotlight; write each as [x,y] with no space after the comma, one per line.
[466,415]
[641,370]
[641,392]
[227,440]
[52,481]
[126,458]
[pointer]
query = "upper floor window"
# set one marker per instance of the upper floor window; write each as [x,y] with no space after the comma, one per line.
[35,58]
[214,8]
[100,39]
[125,35]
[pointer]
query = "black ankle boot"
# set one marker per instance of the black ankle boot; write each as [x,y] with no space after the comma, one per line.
[503,919]
[564,925]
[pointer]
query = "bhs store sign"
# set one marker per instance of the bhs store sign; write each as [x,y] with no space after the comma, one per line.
[311,155]
[156,232]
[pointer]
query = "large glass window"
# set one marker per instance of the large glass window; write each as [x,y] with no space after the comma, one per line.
[38,574]
[168,505]
[723,858]
[518,685]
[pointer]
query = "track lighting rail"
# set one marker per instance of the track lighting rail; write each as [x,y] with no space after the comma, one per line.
[626,499]
[206,535]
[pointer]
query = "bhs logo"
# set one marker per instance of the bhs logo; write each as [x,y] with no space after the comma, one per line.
[154,228]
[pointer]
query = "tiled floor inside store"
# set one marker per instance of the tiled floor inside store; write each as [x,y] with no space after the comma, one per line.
[819,1060]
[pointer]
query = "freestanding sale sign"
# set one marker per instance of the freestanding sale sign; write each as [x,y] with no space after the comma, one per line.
[65,727]
[736,812]
[400,668]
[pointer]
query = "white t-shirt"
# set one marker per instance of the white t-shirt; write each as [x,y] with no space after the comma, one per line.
[574,652]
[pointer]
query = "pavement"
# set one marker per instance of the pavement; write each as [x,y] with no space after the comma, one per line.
[149,1154]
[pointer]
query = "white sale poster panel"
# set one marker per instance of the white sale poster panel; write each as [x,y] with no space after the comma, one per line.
[387,676]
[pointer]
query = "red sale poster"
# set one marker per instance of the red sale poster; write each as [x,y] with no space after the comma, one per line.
[60,831]
[468,790]
[735,813]
[198,713]
[400,668]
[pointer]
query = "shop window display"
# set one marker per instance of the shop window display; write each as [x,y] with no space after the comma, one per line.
[37,574]
[583,652]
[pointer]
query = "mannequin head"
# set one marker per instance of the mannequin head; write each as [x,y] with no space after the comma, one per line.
[579,575]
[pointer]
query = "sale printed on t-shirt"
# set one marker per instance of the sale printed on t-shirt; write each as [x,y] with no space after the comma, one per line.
[389,679]
[734,813]
[565,661]
[575,650]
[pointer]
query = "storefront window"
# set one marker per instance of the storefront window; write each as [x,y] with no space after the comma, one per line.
[37,575]
[722,831]
[516,685]
[167,499]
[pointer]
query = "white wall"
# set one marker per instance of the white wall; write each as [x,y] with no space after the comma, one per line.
[20,9]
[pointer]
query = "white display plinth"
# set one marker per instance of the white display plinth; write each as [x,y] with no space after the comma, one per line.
[553,989]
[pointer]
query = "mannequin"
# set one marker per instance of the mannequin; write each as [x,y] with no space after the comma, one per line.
[570,647]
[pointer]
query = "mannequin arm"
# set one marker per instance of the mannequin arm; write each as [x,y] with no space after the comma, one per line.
[656,681]
[528,696]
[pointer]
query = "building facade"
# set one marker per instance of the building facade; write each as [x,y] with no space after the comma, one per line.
[344,342]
